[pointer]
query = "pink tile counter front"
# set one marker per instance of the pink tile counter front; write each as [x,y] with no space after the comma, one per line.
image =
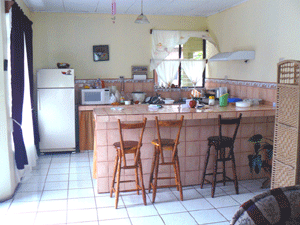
[198,126]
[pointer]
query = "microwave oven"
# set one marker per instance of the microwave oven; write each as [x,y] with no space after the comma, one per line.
[95,96]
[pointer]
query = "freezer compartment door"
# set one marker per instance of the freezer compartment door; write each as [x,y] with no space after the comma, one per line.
[56,118]
[55,78]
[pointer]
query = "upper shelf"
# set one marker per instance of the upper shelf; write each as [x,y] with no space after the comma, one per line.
[238,55]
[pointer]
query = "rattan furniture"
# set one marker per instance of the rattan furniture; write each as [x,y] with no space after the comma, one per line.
[285,171]
[161,147]
[124,149]
[223,146]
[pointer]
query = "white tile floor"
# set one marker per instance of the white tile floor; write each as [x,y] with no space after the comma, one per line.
[60,190]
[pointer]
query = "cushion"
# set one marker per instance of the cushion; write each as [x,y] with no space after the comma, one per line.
[276,206]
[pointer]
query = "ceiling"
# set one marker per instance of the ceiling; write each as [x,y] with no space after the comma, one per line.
[202,8]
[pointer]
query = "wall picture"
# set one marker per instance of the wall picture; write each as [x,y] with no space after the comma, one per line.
[100,53]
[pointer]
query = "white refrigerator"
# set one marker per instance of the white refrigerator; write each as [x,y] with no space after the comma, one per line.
[56,110]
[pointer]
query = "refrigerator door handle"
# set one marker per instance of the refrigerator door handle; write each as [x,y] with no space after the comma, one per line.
[38,100]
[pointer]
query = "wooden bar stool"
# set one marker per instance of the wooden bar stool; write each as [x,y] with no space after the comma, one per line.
[161,145]
[125,148]
[221,144]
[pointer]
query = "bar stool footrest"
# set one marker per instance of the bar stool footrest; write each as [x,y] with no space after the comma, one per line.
[164,178]
[166,186]
[128,190]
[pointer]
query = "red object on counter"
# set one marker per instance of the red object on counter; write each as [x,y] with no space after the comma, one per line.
[193,104]
[102,84]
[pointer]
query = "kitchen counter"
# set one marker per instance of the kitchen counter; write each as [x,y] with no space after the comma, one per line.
[199,124]
[130,113]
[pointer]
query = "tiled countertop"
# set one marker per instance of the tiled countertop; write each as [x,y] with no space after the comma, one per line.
[167,112]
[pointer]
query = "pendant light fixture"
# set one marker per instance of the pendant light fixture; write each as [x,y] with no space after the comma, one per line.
[142,19]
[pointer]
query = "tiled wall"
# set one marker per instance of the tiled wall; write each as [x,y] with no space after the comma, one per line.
[192,149]
[241,89]
[246,89]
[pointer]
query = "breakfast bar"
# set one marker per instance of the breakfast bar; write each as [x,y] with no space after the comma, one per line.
[199,124]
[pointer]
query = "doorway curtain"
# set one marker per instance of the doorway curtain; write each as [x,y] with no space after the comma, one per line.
[21,46]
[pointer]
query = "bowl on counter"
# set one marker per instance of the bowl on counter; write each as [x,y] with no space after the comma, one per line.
[243,104]
[138,96]
[169,101]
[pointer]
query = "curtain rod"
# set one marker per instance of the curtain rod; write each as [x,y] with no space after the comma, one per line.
[8,5]
[171,30]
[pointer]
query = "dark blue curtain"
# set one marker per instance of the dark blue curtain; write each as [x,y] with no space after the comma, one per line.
[21,29]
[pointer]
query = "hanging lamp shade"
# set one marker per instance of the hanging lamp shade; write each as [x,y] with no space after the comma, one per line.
[142,19]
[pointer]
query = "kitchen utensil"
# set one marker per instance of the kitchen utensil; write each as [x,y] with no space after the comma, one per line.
[138,96]
[148,100]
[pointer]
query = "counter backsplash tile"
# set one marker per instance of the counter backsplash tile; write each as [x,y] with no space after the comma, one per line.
[246,89]
[236,88]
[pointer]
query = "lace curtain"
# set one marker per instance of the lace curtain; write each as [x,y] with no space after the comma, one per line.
[192,69]
[163,43]
[167,71]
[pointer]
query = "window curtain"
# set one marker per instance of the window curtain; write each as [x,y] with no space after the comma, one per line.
[167,71]
[164,41]
[192,69]
[29,53]
[21,32]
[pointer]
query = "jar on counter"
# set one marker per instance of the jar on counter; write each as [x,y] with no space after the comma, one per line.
[211,100]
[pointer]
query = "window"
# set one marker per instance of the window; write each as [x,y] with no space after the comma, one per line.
[195,49]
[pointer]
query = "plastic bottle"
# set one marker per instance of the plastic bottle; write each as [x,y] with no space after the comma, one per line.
[211,100]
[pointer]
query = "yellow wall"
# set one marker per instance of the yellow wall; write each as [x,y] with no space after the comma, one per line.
[63,37]
[270,27]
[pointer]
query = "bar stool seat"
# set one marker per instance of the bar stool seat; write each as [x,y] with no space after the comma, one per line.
[129,146]
[221,144]
[124,148]
[215,141]
[167,144]
[161,145]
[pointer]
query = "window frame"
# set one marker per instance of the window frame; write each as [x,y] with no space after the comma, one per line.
[179,69]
